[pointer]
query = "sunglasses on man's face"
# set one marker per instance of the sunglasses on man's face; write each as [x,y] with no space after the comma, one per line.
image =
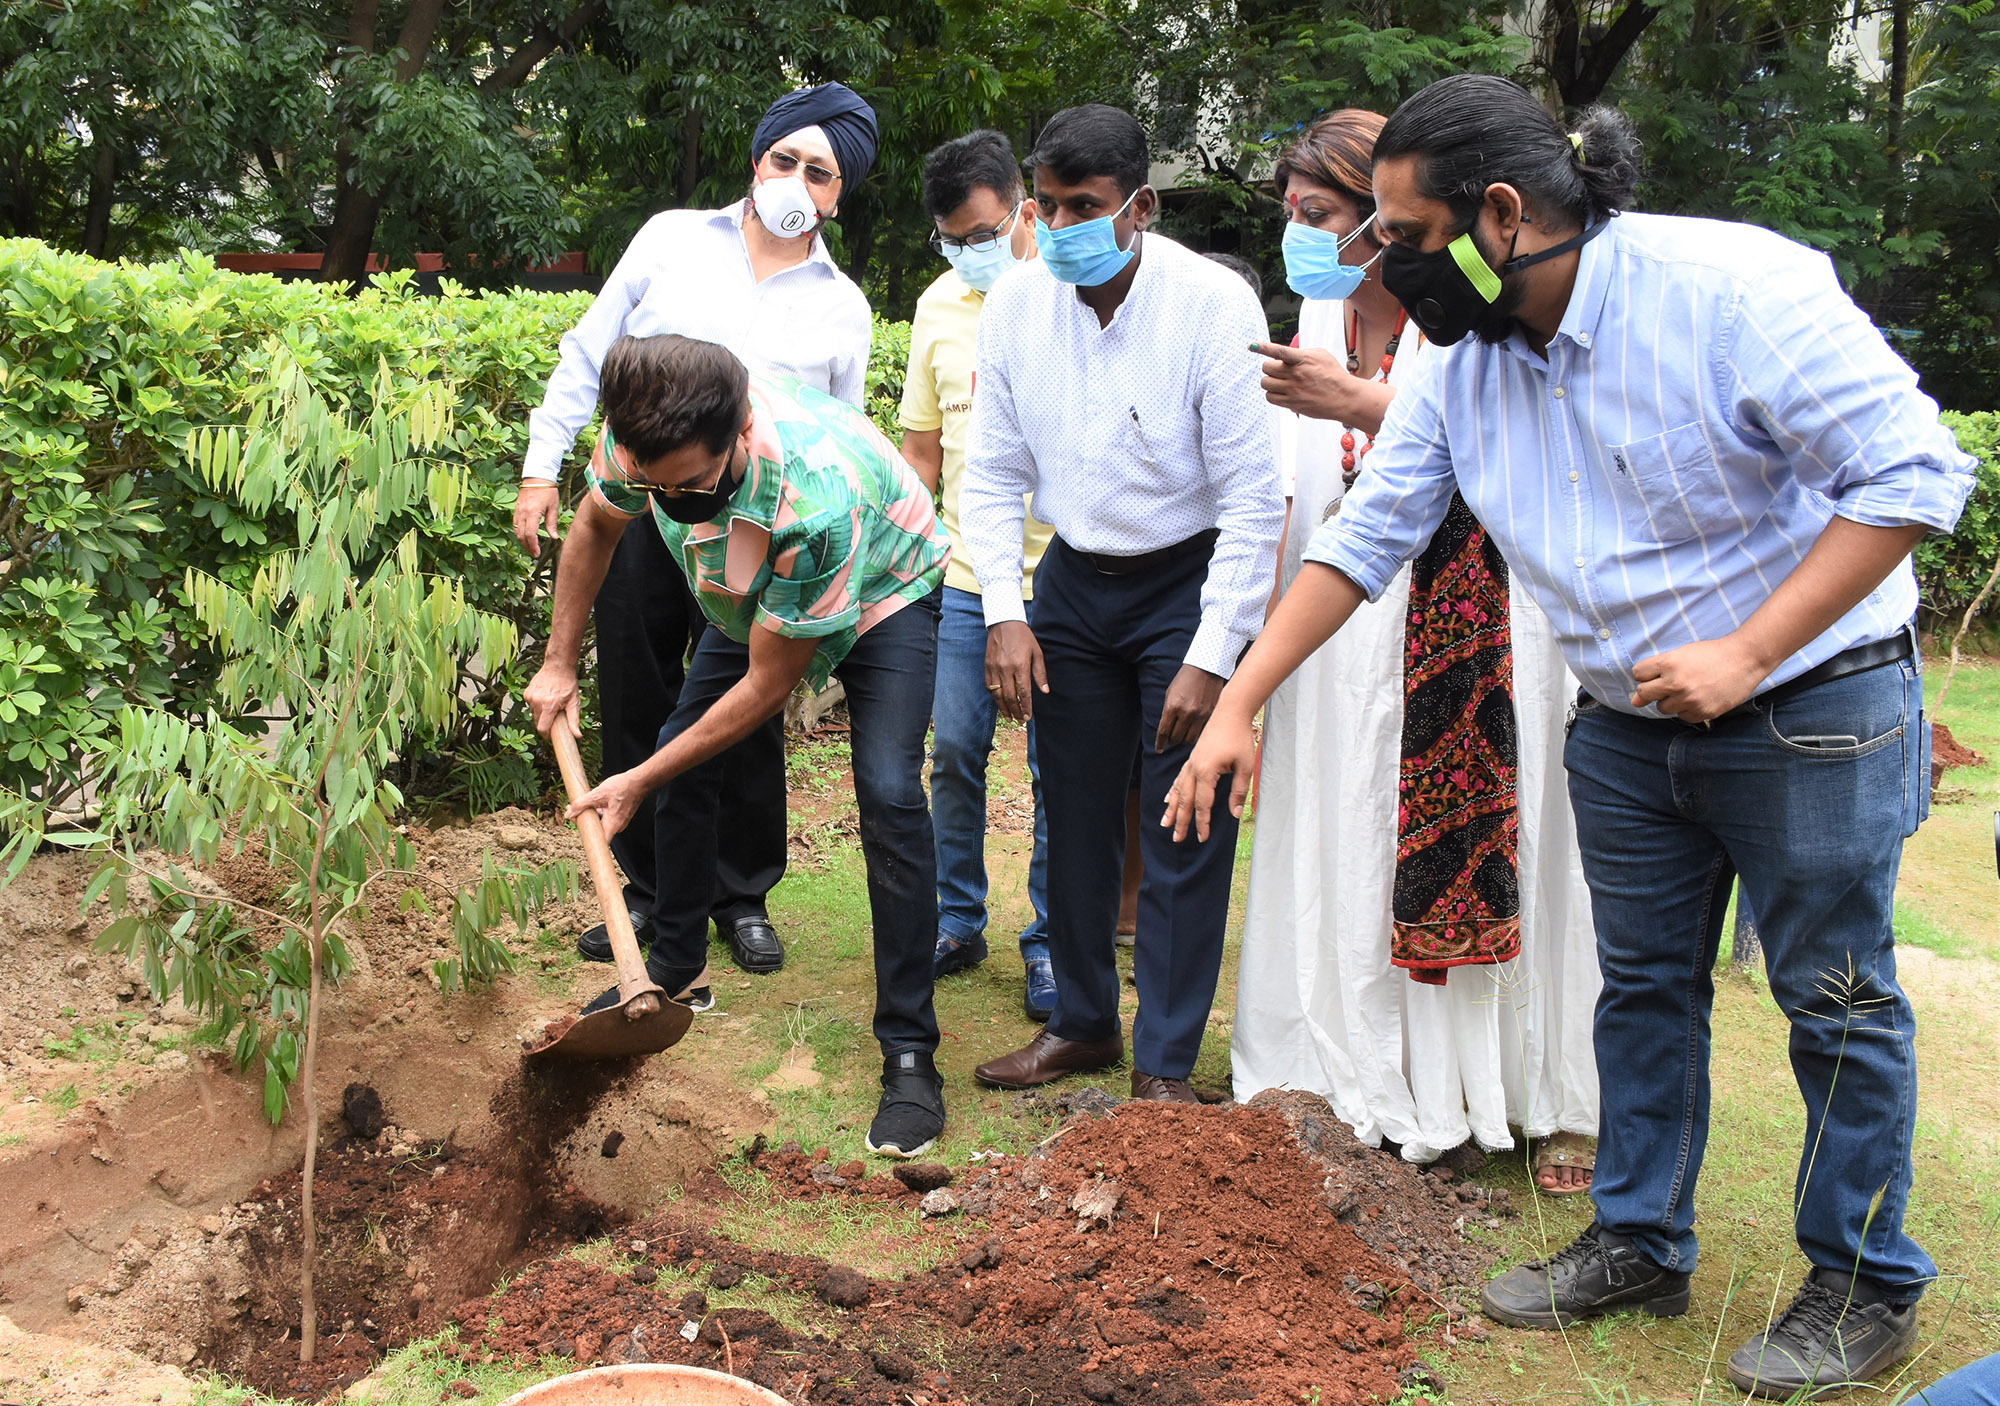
[784,163]
[662,490]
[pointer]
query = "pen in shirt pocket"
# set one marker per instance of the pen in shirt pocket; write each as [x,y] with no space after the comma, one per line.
[1145,444]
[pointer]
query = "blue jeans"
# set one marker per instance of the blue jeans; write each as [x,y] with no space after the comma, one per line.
[963,716]
[1974,1384]
[887,675]
[1667,815]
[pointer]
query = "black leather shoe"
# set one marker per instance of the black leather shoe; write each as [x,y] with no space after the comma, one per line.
[754,944]
[1595,1273]
[1838,1332]
[595,944]
[910,1117]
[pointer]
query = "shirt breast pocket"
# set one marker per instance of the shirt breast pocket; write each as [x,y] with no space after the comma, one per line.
[1159,437]
[1669,487]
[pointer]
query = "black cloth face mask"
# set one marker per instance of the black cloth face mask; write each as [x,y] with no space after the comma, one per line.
[1446,291]
[701,507]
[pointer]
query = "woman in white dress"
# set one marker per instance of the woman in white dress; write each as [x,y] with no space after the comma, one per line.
[1428,1053]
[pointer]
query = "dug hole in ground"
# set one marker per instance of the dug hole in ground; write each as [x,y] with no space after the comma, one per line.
[517,1220]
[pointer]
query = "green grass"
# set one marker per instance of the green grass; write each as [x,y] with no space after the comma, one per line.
[1948,921]
[1913,929]
[415,1375]
[99,1042]
[65,1098]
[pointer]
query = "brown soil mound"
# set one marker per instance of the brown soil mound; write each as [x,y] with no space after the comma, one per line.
[407,1231]
[1161,1254]
[403,1235]
[1947,752]
[1168,1244]
[1412,1217]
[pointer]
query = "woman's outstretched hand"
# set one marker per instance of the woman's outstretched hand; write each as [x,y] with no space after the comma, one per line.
[1227,747]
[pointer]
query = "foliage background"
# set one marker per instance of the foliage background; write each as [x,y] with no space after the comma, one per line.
[105,369]
[502,132]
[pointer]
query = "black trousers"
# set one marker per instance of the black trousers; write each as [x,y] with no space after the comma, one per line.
[647,623]
[889,675]
[1113,645]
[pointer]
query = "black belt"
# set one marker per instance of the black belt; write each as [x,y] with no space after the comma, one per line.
[1148,561]
[1858,659]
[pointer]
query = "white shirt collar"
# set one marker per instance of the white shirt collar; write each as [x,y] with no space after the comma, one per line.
[734,214]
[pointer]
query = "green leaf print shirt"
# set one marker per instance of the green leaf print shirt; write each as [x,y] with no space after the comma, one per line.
[828,533]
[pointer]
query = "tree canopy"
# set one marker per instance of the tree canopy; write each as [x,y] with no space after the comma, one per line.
[502,132]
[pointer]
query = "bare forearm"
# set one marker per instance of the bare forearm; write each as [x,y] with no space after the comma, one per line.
[1363,405]
[777,664]
[586,557]
[1319,603]
[1849,560]
[923,450]
[1278,576]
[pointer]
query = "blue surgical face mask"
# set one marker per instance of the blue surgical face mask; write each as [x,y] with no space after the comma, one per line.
[980,269]
[1312,262]
[1086,254]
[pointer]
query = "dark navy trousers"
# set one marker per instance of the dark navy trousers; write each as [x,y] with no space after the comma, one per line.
[647,623]
[1112,645]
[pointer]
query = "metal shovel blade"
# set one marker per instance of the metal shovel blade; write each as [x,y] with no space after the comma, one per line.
[610,1033]
[644,1021]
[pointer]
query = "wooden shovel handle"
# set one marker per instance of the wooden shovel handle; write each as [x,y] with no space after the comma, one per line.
[635,988]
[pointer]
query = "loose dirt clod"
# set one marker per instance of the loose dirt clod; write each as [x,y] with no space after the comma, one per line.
[923,1176]
[843,1287]
[361,1110]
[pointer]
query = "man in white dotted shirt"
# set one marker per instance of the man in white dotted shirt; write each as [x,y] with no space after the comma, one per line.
[1113,388]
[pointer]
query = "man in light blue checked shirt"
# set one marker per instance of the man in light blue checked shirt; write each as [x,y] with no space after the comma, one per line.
[1707,467]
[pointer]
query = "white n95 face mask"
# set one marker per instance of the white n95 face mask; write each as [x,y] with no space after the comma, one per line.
[785,206]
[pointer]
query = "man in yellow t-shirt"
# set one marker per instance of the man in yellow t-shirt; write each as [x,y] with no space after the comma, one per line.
[973,190]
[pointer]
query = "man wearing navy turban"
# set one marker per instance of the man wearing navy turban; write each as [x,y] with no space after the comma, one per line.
[837,111]
[754,276]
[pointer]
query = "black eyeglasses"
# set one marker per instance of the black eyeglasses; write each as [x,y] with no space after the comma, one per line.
[979,241]
[784,164]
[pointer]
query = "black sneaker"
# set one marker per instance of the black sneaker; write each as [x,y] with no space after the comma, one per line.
[1838,1332]
[911,1114]
[595,944]
[753,944]
[670,980]
[1595,1273]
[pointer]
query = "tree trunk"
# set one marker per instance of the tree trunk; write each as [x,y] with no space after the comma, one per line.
[355,210]
[543,42]
[690,174]
[1583,68]
[308,1309]
[97,214]
[1899,72]
[1744,948]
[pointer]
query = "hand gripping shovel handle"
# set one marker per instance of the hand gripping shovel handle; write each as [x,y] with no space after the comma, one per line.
[635,988]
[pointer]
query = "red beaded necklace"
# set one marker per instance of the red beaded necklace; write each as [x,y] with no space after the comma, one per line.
[1350,457]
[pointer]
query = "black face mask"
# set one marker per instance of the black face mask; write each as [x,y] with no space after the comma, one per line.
[1451,291]
[701,507]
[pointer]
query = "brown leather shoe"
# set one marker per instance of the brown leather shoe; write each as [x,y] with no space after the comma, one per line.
[1154,1089]
[1048,1057]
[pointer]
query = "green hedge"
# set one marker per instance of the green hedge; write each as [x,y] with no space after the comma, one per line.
[1950,570]
[104,368]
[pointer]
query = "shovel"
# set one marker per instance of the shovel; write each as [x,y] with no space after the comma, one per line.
[644,1021]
